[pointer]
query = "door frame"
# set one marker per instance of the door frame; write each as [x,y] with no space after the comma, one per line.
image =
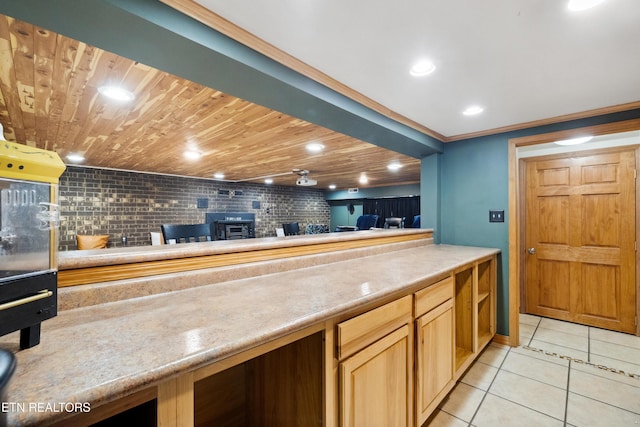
[516,213]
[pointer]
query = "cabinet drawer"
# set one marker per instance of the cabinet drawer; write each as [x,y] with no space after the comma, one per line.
[434,295]
[357,333]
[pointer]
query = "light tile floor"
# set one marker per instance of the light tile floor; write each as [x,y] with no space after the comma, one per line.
[562,374]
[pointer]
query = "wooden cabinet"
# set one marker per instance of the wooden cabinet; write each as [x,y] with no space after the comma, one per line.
[452,321]
[486,302]
[376,367]
[279,388]
[475,307]
[434,346]
[464,318]
[389,366]
[374,383]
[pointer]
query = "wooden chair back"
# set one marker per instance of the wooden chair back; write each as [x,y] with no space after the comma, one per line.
[186,233]
[291,229]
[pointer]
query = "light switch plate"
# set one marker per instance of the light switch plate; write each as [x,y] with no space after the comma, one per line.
[496,216]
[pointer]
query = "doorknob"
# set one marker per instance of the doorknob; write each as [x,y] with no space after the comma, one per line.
[531,250]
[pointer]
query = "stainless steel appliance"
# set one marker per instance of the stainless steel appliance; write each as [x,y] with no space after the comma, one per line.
[29,220]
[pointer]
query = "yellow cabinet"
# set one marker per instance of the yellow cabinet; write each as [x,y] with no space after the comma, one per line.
[435,347]
[376,367]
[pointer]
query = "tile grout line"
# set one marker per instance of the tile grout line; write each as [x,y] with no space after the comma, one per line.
[534,331]
[587,362]
[566,400]
[489,387]
[539,411]
[582,362]
[588,343]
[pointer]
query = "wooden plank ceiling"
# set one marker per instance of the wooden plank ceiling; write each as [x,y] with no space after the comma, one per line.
[49,99]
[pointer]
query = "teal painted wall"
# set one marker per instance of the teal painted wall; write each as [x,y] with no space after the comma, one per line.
[339,200]
[430,216]
[473,179]
[376,192]
[340,214]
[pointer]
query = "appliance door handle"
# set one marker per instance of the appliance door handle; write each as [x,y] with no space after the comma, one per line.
[45,293]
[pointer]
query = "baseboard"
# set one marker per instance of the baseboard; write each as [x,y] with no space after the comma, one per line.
[501,339]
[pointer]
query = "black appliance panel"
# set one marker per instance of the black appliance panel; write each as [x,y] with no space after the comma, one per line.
[40,292]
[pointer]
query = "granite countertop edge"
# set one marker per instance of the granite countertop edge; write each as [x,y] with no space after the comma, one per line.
[68,260]
[134,367]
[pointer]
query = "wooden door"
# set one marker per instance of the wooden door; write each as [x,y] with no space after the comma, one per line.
[435,357]
[375,384]
[580,239]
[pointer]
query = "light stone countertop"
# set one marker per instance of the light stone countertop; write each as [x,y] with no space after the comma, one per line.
[125,255]
[103,352]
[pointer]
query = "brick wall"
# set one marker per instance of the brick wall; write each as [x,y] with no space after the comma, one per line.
[117,203]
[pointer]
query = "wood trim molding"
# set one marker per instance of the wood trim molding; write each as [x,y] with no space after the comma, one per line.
[218,23]
[502,339]
[516,223]
[558,119]
[106,273]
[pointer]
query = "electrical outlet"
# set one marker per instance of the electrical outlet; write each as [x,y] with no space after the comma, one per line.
[496,216]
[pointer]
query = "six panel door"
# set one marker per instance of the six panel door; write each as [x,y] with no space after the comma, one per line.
[580,239]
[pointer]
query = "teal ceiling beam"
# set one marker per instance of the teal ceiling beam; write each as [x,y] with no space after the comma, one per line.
[154,34]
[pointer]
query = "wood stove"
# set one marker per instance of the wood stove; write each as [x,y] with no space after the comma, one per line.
[231,225]
[29,220]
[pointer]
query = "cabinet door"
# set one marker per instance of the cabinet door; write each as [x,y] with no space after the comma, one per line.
[435,354]
[375,384]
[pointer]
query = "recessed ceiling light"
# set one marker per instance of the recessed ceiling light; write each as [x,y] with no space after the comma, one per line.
[116,93]
[577,5]
[394,166]
[363,178]
[268,181]
[332,187]
[192,154]
[76,158]
[574,141]
[473,110]
[315,147]
[422,68]
[218,175]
